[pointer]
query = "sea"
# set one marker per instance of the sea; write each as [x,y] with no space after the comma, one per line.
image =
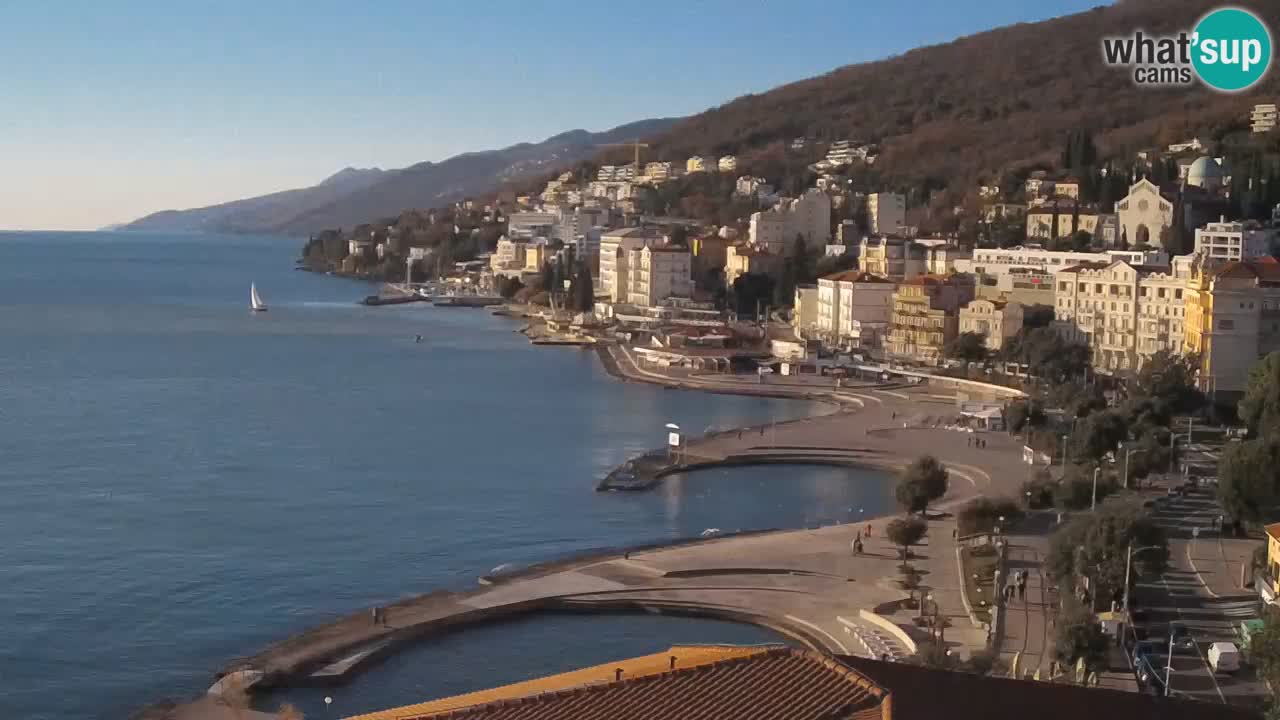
[183,482]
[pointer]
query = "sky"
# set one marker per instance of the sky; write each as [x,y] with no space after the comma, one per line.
[113,110]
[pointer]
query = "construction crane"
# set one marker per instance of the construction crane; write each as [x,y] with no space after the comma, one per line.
[636,144]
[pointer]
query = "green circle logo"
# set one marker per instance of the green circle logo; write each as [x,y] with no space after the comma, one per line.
[1231,49]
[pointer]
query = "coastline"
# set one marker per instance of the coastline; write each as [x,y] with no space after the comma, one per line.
[332,651]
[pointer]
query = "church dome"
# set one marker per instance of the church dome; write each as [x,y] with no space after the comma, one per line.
[1205,173]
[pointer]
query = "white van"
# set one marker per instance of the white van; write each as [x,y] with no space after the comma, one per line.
[1224,657]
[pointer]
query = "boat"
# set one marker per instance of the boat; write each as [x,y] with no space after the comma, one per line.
[255,300]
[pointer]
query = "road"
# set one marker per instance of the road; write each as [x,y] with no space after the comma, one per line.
[1198,591]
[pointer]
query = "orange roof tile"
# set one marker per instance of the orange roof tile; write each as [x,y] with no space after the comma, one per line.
[764,682]
[1274,530]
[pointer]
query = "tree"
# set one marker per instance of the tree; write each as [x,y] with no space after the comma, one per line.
[751,293]
[1248,478]
[983,514]
[906,532]
[1169,380]
[582,292]
[1024,413]
[1264,647]
[1099,434]
[967,346]
[922,482]
[1037,316]
[548,278]
[1260,406]
[1078,636]
[1095,545]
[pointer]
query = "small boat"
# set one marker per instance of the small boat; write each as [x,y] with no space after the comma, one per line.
[255,300]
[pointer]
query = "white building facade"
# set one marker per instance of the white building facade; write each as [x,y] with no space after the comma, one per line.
[886,213]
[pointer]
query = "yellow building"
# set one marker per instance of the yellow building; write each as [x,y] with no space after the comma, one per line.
[1270,588]
[1232,318]
[534,257]
[925,316]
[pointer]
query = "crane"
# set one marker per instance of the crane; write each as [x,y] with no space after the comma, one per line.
[635,144]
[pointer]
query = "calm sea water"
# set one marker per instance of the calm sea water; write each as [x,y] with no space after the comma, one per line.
[182,482]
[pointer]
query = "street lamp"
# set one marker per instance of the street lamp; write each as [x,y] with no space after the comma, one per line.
[1093,505]
[1128,566]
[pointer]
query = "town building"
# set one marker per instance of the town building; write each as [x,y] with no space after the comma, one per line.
[658,172]
[699,163]
[1069,188]
[1025,286]
[1144,214]
[996,262]
[748,186]
[894,258]
[808,216]
[616,173]
[804,313]
[942,259]
[854,308]
[727,163]
[886,213]
[1232,319]
[615,248]
[988,192]
[532,226]
[1063,216]
[1037,184]
[742,259]
[1206,173]
[656,273]
[1193,144]
[1125,313]
[996,320]
[1226,241]
[1001,211]
[926,316]
[1263,117]
[845,152]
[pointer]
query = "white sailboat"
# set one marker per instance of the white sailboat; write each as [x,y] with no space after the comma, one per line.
[255,300]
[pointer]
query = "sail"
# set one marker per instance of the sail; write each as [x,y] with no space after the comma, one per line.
[255,300]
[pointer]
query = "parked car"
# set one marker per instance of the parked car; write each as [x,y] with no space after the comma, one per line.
[1224,657]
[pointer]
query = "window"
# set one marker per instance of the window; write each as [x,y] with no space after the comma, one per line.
[1177,294]
[1062,286]
[1160,292]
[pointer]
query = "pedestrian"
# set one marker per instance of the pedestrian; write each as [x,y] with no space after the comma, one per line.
[955,532]
[968,442]
[895,414]
[739,433]
[1022,591]
[761,431]
[373,614]
[868,529]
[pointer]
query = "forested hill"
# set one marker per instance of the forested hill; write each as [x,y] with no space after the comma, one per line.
[946,115]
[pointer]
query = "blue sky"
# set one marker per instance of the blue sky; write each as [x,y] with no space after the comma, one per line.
[111,110]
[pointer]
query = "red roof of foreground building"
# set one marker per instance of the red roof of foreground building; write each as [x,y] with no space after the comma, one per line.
[774,682]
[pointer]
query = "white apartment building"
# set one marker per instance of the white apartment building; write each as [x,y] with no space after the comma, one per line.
[699,163]
[1125,313]
[886,213]
[728,163]
[808,216]
[616,173]
[1144,214]
[854,307]
[1263,117]
[532,225]
[997,262]
[845,152]
[615,248]
[1226,241]
[1186,145]
[658,273]
[896,259]
[997,320]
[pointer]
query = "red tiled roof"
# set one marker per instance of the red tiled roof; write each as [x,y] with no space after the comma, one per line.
[917,693]
[1266,269]
[775,683]
[1274,530]
[857,276]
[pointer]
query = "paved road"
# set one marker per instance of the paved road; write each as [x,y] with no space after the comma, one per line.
[1198,590]
[1028,633]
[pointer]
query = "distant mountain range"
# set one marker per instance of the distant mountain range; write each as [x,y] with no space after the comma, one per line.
[355,195]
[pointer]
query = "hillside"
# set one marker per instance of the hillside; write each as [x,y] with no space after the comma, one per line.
[949,114]
[352,196]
